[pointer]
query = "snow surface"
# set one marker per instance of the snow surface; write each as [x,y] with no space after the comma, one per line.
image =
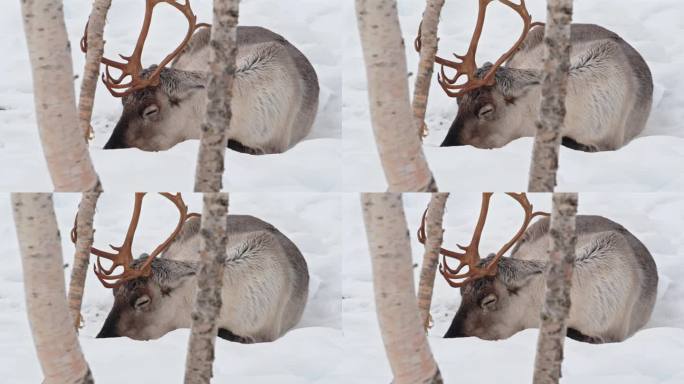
[338,340]
[653,355]
[652,162]
[313,165]
[312,221]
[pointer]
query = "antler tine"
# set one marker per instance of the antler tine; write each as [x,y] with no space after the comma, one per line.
[466,64]
[132,65]
[422,238]
[471,255]
[124,254]
[528,209]
[177,200]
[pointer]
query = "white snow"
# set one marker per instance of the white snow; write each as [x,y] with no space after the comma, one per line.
[313,165]
[652,162]
[653,355]
[311,221]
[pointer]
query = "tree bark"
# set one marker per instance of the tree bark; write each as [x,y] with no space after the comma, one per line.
[400,149]
[91,70]
[55,339]
[214,137]
[84,241]
[405,342]
[213,241]
[433,242]
[554,88]
[65,150]
[428,51]
[554,314]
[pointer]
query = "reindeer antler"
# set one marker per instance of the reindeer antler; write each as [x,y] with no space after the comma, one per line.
[132,65]
[123,255]
[470,256]
[466,66]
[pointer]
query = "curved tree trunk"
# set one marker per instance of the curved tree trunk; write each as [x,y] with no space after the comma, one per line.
[554,314]
[54,336]
[65,150]
[434,234]
[401,152]
[91,70]
[428,51]
[84,241]
[552,111]
[213,241]
[405,342]
[214,138]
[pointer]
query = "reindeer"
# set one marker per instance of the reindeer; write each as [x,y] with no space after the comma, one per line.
[265,283]
[609,91]
[275,91]
[613,291]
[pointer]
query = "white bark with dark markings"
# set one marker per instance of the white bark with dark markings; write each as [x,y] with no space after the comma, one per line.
[214,137]
[91,70]
[65,151]
[547,141]
[84,241]
[401,152]
[404,338]
[54,337]
[208,302]
[556,308]
[434,233]
[428,51]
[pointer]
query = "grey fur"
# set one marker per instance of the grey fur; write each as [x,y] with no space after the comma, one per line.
[609,98]
[274,105]
[265,286]
[613,293]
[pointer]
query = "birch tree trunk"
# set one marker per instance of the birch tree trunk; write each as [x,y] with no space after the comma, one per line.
[55,339]
[405,342]
[213,240]
[65,150]
[84,241]
[91,71]
[214,137]
[554,314]
[433,242]
[428,51]
[400,149]
[552,111]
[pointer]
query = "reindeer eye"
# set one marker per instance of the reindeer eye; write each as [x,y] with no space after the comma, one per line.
[485,112]
[488,302]
[150,111]
[141,302]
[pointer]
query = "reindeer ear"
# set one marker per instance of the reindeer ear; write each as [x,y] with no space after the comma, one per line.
[516,273]
[515,83]
[179,277]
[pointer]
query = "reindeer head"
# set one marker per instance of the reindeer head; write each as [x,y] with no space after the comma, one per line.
[488,99]
[492,297]
[147,294]
[149,307]
[153,118]
[158,117]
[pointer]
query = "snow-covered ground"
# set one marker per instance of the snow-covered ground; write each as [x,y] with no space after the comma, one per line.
[653,355]
[304,355]
[338,340]
[313,165]
[652,162]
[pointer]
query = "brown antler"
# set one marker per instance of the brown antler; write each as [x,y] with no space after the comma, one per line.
[466,66]
[132,65]
[123,255]
[471,255]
